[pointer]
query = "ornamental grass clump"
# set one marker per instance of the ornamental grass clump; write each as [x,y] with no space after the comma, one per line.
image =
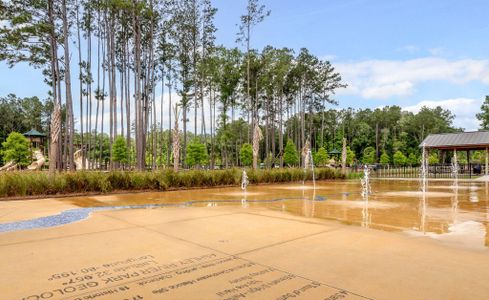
[20,184]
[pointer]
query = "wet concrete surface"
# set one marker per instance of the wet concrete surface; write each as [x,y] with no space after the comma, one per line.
[275,242]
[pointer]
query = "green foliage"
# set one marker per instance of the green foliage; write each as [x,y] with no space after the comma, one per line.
[291,157]
[477,157]
[384,158]
[103,152]
[350,156]
[120,151]
[196,154]
[368,155]
[433,158]
[269,160]
[16,148]
[15,184]
[22,114]
[483,116]
[321,157]
[246,154]
[399,159]
[412,159]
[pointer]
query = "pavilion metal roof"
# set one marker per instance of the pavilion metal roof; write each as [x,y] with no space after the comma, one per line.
[466,140]
[334,151]
[33,132]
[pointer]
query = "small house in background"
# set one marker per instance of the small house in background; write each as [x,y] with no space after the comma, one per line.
[36,139]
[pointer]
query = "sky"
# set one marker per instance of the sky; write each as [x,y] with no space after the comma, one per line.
[405,52]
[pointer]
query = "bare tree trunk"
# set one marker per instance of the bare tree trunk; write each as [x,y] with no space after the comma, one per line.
[80,75]
[281,134]
[127,72]
[176,142]
[169,120]
[152,85]
[184,150]
[122,79]
[137,61]
[68,154]
[211,127]
[155,155]
[55,125]
[161,115]
[102,98]
[89,95]
[99,96]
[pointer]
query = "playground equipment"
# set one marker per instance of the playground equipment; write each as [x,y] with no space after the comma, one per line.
[10,166]
[78,156]
[39,161]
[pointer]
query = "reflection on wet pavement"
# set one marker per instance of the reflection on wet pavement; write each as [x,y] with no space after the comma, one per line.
[456,214]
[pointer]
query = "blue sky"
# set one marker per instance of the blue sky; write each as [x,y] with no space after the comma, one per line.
[404,52]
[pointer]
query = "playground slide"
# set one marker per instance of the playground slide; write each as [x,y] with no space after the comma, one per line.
[10,166]
[39,161]
[78,155]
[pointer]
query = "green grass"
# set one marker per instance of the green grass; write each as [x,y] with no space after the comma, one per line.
[20,184]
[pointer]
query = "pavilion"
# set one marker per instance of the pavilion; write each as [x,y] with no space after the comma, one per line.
[36,139]
[460,141]
[334,152]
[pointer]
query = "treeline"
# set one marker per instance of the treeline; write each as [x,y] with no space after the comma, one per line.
[125,53]
[384,135]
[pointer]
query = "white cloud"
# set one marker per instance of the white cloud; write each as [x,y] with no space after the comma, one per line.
[464,109]
[329,57]
[384,91]
[390,78]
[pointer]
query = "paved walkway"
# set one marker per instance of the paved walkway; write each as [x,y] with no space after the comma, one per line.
[231,253]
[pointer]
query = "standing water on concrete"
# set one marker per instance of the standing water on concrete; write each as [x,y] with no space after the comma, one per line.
[393,206]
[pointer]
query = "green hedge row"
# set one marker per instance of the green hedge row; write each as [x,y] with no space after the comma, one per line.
[13,184]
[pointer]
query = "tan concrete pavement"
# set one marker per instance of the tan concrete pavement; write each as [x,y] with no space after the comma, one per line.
[229,252]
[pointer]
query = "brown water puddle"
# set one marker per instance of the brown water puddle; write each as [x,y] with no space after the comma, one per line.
[446,213]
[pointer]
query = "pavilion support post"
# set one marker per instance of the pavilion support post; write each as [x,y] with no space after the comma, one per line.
[487,162]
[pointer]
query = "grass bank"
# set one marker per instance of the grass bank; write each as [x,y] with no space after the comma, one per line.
[20,184]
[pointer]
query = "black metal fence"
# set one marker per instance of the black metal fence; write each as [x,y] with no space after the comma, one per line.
[434,171]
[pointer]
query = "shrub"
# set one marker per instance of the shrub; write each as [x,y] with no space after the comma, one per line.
[291,157]
[412,159]
[16,148]
[385,158]
[368,155]
[350,156]
[120,151]
[321,158]
[40,183]
[399,159]
[433,158]
[246,155]
[196,154]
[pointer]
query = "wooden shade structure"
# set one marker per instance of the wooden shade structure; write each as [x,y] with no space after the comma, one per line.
[460,141]
[36,138]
